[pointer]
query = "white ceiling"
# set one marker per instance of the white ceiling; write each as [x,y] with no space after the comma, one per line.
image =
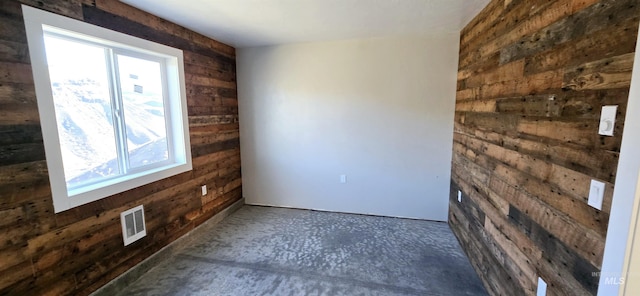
[250,23]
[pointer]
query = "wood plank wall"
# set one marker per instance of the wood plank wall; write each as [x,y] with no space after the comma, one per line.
[533,76]
[79,250]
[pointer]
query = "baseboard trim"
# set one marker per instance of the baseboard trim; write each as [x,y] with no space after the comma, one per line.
[128,277]
[343,212]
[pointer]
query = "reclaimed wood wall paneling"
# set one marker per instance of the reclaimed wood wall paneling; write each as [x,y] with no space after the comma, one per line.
[77,251]
[533,76]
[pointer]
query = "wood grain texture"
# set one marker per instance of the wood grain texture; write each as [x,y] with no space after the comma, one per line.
[533,77]
[77,251]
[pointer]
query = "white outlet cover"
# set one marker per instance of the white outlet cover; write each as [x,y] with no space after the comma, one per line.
[459,196]
[607,120]
[343,179]
[542,287]
[204,189]
[596,194]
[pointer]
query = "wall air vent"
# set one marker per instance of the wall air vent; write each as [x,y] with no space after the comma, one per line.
[133,227]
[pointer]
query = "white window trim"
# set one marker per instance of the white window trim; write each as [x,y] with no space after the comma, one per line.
[35,19]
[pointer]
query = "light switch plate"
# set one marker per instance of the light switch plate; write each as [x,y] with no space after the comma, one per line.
[542,287]
[596,194]
[607,120]
[459,196]
[204,189]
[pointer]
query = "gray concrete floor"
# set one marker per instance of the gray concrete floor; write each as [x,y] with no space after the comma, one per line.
[275,251]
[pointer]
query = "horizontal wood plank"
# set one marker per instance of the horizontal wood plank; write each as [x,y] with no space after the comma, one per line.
[77,251]
[532,79]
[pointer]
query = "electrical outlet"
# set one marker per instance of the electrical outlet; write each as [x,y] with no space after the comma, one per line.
[459,196]
[596,194]
[204,189]
[343,179]
[542,287]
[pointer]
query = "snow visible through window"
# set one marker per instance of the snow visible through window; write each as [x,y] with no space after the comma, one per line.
[82,82]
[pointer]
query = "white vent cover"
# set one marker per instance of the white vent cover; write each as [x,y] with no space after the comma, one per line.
[133,227]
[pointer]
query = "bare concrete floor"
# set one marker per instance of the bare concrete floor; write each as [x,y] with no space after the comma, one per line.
[275,251]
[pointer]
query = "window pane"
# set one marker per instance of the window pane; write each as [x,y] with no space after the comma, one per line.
[80,87]
[142,99]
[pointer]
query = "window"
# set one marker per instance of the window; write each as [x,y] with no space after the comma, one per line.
[112,108]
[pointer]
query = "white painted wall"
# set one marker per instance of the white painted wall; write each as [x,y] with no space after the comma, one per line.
[378,110]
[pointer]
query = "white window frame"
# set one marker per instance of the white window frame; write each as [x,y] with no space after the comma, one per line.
[36,23]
